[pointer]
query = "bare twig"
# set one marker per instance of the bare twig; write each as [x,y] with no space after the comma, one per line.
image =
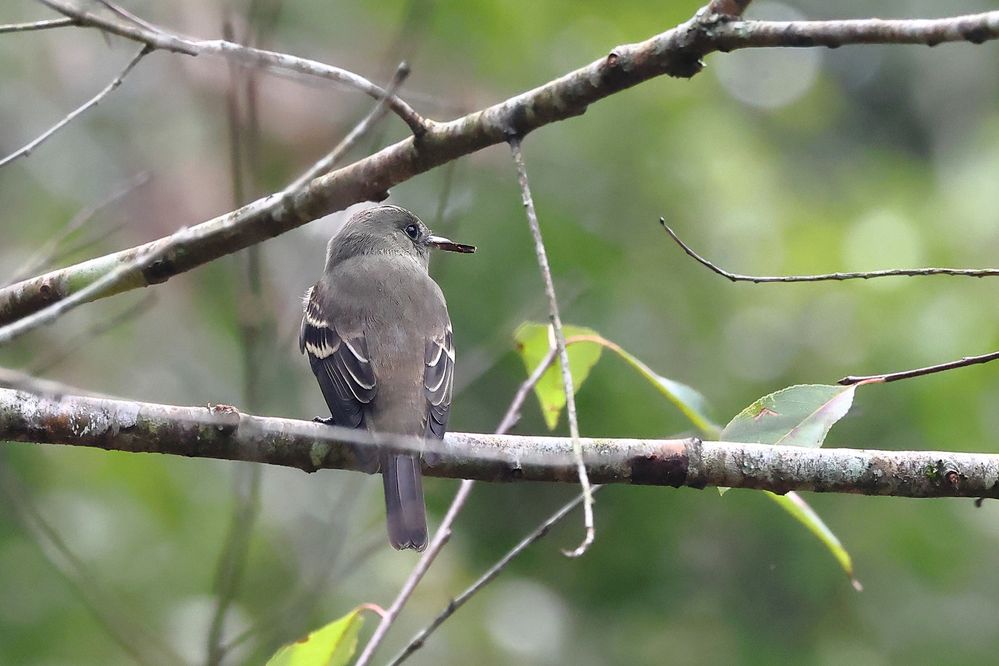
[921,372]
[71,345]
[334,156]
[563,353]
[92,102]
[441,537]
[156,37]
[44,24]
[513,412]
[490,574]
[48,252]
[861,275]
[443,533]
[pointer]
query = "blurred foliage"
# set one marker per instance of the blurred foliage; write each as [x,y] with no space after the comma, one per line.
[883,157]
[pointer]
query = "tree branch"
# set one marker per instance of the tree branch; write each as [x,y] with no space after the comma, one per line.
[155,37]
[45,24]
[224,433]
[825,277]
[676,52]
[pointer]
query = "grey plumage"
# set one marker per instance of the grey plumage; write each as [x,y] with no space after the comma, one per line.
[378,336]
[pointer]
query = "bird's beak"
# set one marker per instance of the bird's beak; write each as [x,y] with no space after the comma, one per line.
[442,243]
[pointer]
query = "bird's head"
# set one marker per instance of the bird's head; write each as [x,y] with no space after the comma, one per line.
[387,230]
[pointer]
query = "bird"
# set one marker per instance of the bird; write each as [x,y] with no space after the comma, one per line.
[378,336]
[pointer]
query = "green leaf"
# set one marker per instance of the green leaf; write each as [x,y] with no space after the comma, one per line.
[794,504]
[333,645]
[533,343]
[797,416]
[794,416]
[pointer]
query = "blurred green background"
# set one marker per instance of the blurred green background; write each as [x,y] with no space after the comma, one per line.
[770,162]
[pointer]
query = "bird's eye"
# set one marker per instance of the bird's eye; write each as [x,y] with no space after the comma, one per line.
[412,231]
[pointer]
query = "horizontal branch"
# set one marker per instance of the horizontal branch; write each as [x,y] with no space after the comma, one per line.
[676,52]
[826,277]
[224,433]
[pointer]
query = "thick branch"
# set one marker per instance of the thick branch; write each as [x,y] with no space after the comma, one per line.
[224,433]
[676,52]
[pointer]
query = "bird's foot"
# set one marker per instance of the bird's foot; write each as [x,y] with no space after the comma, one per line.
[327,421]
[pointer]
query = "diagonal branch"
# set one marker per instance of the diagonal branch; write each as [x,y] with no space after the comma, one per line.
[489,576]
[676,52]
[86,106]
[443,533]
[152,258]
[224,433]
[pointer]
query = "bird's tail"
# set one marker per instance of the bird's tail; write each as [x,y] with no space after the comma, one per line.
[404,510]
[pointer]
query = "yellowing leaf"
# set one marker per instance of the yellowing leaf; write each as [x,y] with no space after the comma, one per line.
[533,343]
[332,645]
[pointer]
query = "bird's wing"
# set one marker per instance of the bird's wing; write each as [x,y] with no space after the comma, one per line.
[341,364]
[438,381]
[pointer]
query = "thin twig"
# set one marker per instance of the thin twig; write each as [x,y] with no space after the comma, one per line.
[513,412]
[921,372]
[330,159]
[48,252]
[860,275]
[106,281]
[26,150]
[563,353]
[130,17]
[441,537]
[490,574]
[71,345]
[37,25]
[443,532]
[157,37]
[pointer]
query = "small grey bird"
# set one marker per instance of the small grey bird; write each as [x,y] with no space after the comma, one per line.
[378,337]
